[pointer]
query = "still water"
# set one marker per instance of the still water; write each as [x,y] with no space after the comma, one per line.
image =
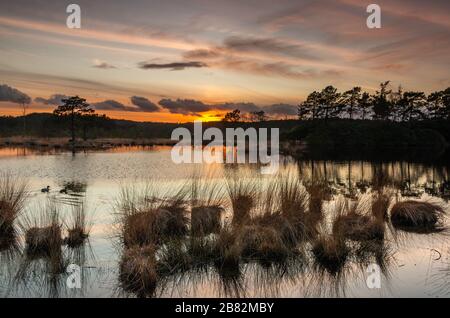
[418,265]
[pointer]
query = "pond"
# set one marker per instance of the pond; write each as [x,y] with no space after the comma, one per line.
[414,264]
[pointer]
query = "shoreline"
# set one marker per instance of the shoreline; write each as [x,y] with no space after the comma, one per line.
[91,144]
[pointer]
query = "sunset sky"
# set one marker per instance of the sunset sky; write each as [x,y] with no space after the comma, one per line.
[178,60]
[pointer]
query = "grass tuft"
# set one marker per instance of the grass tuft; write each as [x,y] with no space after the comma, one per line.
[138,271]
[13,194]
[417,216]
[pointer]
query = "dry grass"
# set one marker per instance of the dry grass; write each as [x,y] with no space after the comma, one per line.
[13,194]
[145,219]
[227,253]
[293,206]
[417,216]
[289,232]
[354,222]
[243,196]
[43,230]
[207,206]
[78,228]
[293,198]
[138,271]
[330,252]
[206,220]
[262,243]
[173,258]
[149,227]
[43,240]
[381,200]
[318,193]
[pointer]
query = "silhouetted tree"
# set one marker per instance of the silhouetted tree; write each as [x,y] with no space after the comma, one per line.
[396,103]
[308,108]
[258,116]
[233,116]
[382,106]
[365,103]
[412,106]
[350,99]
[328,102]
[73,108]
[439,104]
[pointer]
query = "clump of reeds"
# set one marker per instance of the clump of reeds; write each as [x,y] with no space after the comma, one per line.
[318,193]
[227,253]
[330,252]
[262,243]
[381,201]
[43,231]
[290,232]
[43,236]
[417,216]
[243,196]
[293,207]
[375,251]
[207,207]
[145,219]
[178,222]
[44,239]
[206,220]
[138,271]
[13,194]
[292,197]
[173,257]
[354,222]
[78,228]
[146,227]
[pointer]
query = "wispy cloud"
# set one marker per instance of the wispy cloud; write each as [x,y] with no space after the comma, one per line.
[113,105]
[102,65]
[174,66]
[55,99]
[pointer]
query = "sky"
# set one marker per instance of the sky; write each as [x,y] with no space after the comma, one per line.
[179,60]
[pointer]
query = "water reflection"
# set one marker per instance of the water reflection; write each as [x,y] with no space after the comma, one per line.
[406,260]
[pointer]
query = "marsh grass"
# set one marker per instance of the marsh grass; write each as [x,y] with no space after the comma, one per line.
[138,273]
[43,231]
[227,253]
[318,194]
[330,253]
[261,243]
[294,220]
[274,223]
[243,194]
[374,252]
[173,258]
[43,260]
[78,226]
[13,193]
[207,206]
[354,221]
[418,216]
[381,201]
[144,218]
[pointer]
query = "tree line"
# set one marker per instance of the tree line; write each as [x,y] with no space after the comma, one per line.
[385,104]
